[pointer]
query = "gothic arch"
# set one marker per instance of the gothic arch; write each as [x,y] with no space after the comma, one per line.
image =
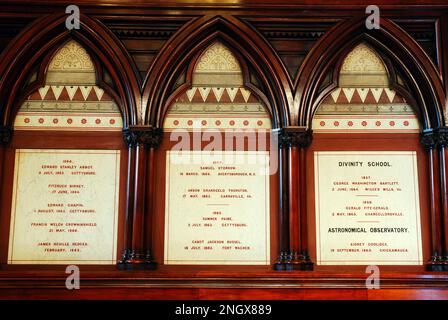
[69,98]
[392,43]
[215,80]
[38,43]
[192,39]
[368,97]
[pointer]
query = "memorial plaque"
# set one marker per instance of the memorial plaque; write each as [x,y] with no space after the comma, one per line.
[217,212]
[65,207]
[367,208]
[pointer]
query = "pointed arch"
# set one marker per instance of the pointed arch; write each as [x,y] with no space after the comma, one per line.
[363,100]
[69,98]
[37,44]
[215,92]
[192,39]
[392,43]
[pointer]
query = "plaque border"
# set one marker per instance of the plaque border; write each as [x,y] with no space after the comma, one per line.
[18,153]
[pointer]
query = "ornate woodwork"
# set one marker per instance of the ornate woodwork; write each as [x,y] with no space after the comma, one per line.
[141,142]
[291,56]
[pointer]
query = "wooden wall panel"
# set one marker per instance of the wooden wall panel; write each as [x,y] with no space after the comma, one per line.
[144,36]
[293,48]
[10,28]
[424,31]
[292,38]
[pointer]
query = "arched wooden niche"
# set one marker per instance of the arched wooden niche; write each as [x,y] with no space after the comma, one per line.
[217,193]
[65,183]
[70,98]
[363,101]
[217,98]
[368,203]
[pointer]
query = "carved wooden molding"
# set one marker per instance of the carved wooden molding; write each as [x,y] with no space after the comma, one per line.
[5,135]
[435,141]
[390,41]
[35,47]
[295,137]
[144,135]
[436,138]
[196,36]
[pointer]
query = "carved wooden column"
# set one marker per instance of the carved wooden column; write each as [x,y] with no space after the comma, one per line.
[442,142]
[297,140]
[303,140]
[141,140]
[437,187]
[284,258]
[130,173]
[292,222]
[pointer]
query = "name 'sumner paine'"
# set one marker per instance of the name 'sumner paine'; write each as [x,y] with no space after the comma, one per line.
[364,230]
[361,163]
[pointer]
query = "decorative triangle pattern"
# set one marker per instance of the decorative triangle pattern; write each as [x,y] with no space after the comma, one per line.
[363,95]
[215,95]
[71,93]
[204,93]
[43,91]
[57,91]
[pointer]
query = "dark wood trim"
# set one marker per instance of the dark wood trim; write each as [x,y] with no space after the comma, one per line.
[139,203]
[143,96]
[197,35]
[293,252]
[284,261]
[444,196]
[299,285]
[130,182]
[304,226]
[150,199]
[443,48]
[141,141]
[294,200]
[234,4]
[436,231]
[48,32]
[435,142]
[421,74]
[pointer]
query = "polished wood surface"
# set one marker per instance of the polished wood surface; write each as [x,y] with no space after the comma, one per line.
[290,53]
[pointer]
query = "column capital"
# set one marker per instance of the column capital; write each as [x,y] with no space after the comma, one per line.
[435,138]
[295,137]
[5,135]
[143,135]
